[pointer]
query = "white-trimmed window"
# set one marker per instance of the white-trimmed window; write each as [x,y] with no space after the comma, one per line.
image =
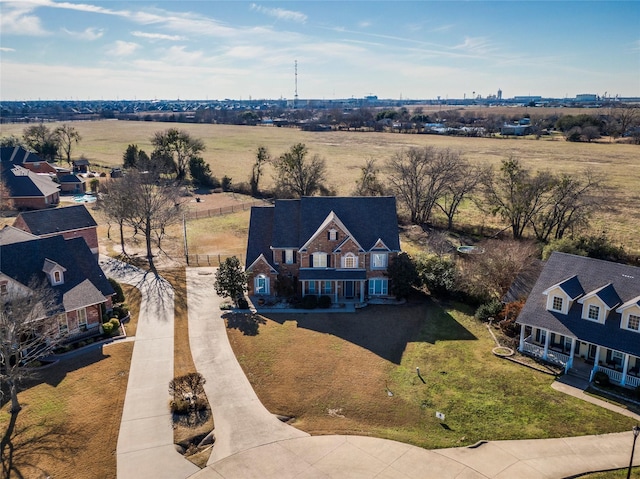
[557,303]
[350,260]
[634,322]
[326,287]
[378,287]
[261,284]
[594,312]
[288,256]
[82,317]
[57,277]
[379,260]
[332,235]
[319,260]
[312,287]
[63,325]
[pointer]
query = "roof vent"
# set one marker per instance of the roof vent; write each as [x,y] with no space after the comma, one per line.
[628,276]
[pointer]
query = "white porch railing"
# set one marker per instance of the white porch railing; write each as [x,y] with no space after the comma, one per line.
[632,381]
[613,375]
[538,352]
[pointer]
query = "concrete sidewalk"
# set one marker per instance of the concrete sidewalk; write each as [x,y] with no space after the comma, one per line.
[241,421]
[145,442]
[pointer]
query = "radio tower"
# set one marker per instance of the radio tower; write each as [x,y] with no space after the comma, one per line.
[295,96]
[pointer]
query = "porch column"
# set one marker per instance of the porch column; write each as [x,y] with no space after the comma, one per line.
[569,364]
[521,347]
[361,291]
[335,291]
[596,360]
[304,284]
[547,340]
[625,366]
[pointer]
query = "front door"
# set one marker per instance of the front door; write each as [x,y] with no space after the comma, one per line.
[348,289]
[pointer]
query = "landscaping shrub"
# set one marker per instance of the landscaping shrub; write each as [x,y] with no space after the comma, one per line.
[226,183]
[601,378]
[488,310]
[107,327]
[119,296]
[438,274]
[120,311]
[310,302]
[179,406]
[324,302]
[243,303]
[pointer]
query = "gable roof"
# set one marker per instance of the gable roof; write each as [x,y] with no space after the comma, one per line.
[571,286]
[11,234]
[23,183]
[291,223]
[607,294]
[57,220]
[83,277]
[17,155]
[592,274]
[81,162]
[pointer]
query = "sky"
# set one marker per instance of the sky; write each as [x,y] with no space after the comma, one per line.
[207,50]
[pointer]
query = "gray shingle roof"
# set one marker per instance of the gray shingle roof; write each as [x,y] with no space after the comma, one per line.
[82,278]
[17,155]
[24,183]
[9,235]
[290,223]
[592,274]
[57,220]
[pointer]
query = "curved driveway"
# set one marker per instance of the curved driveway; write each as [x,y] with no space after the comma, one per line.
[252,443]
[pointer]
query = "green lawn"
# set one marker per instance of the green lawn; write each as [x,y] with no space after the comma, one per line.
[333,373]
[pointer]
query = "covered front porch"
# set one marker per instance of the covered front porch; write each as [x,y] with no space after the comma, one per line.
[571,353]
[340,285]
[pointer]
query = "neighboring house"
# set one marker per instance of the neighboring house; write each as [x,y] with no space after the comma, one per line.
[515,130]
[82,291]
[10,235]
[81,165]
[70,222]
[584,314]
[339,247]
[73,183]
[28,190]
[11,156]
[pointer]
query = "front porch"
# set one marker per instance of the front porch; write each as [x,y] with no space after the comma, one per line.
[573,354]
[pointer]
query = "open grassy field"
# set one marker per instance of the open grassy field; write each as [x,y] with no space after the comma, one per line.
[70,420]
[333,373]
[230,151]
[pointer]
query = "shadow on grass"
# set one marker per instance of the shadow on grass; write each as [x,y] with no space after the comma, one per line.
[386,330]
[247,323]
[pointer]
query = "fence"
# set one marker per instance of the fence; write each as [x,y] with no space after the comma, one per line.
[225,210]
[210,259]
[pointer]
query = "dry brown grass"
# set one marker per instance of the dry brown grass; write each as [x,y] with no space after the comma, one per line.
[231,151]
[71,418]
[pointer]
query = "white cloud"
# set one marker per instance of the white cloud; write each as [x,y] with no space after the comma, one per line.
[16,19]
[157,36]
[122,49]
[475,45]
[7,49]
[89,34]
[280,13]
[364,24]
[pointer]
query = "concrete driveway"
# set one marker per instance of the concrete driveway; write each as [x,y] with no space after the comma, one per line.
[252,443]
[145,441]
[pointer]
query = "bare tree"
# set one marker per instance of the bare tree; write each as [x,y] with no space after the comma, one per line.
[296,175]
[516,195]
[179,146]
[419,177]
[27,332]
[368,183]
[115,202]
[67,137]
[262,157]
[573,199]
[463,180]
[42,140]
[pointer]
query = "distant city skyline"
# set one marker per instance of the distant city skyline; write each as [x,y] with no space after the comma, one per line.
[206,50]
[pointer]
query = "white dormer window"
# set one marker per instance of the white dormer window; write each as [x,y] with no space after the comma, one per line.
[350,260]
[634,322]
[54,271]
[557,303]
[594,312]
[332,235]
[378,260]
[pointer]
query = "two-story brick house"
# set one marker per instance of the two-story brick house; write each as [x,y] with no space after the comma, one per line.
[334,246]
